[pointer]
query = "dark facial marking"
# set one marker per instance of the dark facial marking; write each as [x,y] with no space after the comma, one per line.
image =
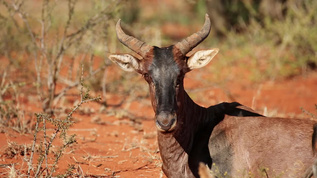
[163,75]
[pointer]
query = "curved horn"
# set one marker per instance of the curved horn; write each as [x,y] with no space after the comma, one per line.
[192,41]
[131,42]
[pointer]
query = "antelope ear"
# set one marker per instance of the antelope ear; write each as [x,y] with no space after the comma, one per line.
[201,58]
[127,62]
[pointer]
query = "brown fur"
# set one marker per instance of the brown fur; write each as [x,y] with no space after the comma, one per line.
[277,147]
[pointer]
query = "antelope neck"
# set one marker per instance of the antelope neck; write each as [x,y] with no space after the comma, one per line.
[183,149]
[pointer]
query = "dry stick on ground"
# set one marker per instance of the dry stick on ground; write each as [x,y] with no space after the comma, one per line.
[309,113]
[45,144]
[3,86]
[126,170]
[30,161]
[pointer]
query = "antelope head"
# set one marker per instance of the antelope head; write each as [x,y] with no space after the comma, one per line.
[164,70]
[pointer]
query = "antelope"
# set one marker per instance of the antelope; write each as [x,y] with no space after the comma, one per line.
[231,139]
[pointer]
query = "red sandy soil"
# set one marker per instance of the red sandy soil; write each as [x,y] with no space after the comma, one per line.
[111,144]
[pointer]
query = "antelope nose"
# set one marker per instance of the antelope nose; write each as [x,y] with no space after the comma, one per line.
[165,121]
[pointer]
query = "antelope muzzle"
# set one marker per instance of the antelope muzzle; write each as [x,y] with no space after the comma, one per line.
[166,121]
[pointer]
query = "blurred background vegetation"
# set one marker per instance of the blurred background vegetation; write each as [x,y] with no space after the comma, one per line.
[284,30]
[270,39]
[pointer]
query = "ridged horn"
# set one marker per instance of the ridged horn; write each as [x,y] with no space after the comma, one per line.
[131,42]
[193,40]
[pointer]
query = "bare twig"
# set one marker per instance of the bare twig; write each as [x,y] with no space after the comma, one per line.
[309,113]
[30,162]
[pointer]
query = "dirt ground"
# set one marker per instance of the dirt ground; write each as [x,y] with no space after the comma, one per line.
[121,141]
